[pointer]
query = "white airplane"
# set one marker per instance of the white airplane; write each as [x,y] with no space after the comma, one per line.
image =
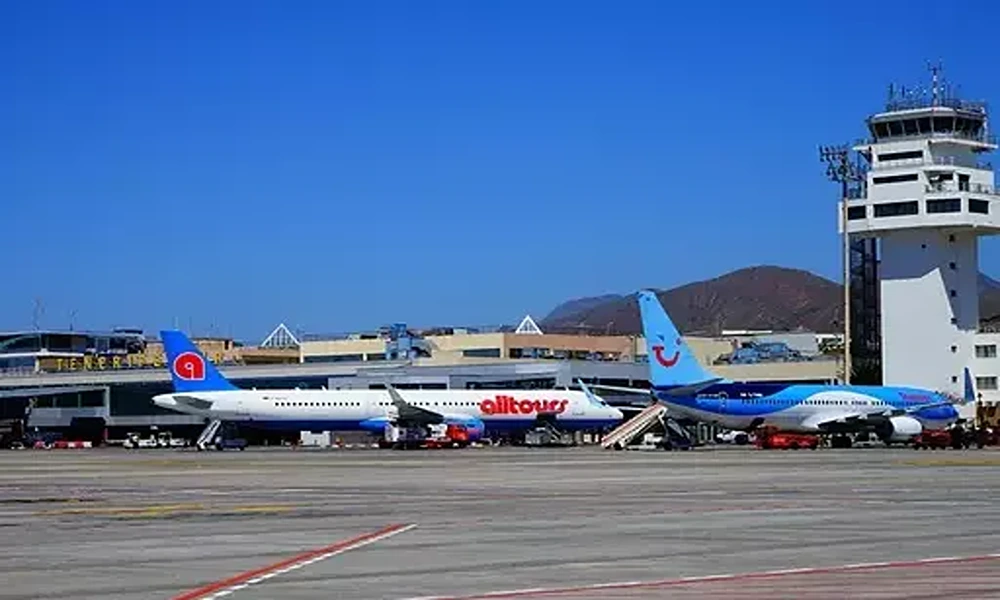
[199,389]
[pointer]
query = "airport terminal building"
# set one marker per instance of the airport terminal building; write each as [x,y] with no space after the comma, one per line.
[86,382]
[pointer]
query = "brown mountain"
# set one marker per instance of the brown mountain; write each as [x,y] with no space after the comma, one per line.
[763,297]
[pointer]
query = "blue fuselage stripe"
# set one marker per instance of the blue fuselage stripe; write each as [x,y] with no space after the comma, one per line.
[377,426]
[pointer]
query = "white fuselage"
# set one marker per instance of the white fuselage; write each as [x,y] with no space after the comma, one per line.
[371,409]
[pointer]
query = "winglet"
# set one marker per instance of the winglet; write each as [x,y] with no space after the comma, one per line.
[397,399]
[970,387]
[591,396]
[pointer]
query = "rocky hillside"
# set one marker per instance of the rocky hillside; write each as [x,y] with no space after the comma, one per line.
[764,297]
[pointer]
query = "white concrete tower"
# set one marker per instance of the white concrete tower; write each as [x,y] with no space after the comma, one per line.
[928,198]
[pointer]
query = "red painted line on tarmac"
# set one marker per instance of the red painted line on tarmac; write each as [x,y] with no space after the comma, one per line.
[224,586]
[624,585]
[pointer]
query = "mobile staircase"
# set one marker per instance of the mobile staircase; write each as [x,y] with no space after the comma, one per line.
[208,435]
[628,431]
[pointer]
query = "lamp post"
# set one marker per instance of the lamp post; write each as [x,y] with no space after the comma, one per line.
[840,169]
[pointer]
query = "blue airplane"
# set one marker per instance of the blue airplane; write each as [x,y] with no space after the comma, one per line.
[895,414]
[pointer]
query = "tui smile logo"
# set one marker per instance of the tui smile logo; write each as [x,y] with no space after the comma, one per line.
[663,360]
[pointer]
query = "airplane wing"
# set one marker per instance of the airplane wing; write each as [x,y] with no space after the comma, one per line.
[692,389]
[409,413]
[826,420]
[623,390]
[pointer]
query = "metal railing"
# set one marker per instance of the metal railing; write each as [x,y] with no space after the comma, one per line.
[953,188]
[986,138]
[948,161]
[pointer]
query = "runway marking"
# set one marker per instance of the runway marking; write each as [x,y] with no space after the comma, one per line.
[679,581]
[225,587]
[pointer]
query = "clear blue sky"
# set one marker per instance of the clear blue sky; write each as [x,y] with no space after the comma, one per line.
[345,165]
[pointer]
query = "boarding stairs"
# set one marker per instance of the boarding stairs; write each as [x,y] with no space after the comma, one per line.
[625,433]
[208,434]
[546,433]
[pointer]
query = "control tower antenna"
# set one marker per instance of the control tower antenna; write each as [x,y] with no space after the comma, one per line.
[935,70]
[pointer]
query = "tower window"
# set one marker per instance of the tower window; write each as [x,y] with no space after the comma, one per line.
[952,266]
[895,178]
[954,378]
[981,207]
[953,293]
[951,237]
[947,205]
[986,350]
[908,155]
[896,209]
[954,348]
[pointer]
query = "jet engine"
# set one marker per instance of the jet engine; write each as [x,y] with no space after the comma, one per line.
[473,428]
[900,429]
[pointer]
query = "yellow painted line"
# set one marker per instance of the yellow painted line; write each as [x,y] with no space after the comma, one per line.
[953,462]
[166,509]
[118,510]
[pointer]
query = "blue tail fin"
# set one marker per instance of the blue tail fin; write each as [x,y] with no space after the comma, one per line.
[670,360]
[189,369]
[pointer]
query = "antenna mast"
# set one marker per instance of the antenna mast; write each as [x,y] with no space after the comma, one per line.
[935,91]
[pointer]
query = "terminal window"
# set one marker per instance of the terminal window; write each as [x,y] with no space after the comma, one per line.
[986,383]
[986,351]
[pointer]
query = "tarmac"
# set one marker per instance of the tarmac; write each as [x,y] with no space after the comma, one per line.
[576,523]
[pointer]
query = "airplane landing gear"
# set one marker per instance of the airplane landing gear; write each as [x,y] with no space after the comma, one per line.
[841,440]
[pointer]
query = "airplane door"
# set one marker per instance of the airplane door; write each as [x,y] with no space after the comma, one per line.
[579,409]
[241,408]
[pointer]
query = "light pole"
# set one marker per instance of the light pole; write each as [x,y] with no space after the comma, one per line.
[840,169]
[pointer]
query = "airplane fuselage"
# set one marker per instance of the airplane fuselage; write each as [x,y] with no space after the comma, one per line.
[799,407]
[372,410]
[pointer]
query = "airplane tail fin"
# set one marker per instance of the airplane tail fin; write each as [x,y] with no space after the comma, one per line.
[670,360]
[189,369]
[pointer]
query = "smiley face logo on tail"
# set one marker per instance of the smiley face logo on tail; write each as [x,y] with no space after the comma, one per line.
[663,360]
[189,366]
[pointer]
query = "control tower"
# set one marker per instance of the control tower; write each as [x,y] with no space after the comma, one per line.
[926,196]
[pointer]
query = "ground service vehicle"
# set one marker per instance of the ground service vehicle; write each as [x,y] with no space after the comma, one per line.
[768,439]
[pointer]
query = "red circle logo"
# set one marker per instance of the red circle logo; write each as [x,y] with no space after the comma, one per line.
[189,366]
